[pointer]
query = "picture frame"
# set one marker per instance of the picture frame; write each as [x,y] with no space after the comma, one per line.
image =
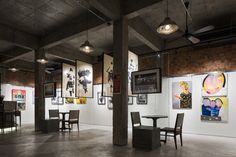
[110,103]
[130,100]
[100,99]
[142,99]
[146,81]
[50,89]
[68,81]
[58,100]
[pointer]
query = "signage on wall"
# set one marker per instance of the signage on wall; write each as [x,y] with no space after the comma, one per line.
[117,84]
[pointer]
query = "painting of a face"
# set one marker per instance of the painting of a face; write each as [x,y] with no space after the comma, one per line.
[213,83]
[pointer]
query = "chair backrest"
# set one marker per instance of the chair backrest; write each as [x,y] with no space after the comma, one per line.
[74,114]
[9,105]
[53,114]
[179,122]
[135,117]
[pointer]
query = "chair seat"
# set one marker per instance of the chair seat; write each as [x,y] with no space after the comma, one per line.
[72,121]
[168,129]
[144,127]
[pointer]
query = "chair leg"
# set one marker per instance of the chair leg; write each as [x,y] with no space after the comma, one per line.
[165,137]
[175,142]
[78,126]
[181,140]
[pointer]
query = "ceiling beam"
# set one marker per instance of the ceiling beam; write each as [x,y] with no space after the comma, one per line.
[18,38]
[19,64]
[143,32]
[14,54]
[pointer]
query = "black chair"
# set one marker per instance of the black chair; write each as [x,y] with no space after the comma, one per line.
[177,130]
[54,114]
[73,119]
[144,136]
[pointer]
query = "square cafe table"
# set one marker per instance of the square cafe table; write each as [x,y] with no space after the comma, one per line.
[154,118]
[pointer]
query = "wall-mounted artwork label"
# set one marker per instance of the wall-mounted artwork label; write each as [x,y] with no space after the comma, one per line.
[147,81]
[214,109]
[117,84]
[84,75]
[58,100]
[101,99]
[214,84]
[132,66]
[68,81]
[20,97]
[80,101]
[107,78]
[182,95]
[69,101]
[142,99]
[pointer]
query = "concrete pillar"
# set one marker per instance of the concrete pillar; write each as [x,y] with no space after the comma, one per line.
[120,101]
[39,89]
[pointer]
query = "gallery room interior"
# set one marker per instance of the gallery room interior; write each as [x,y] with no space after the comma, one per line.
[117,78]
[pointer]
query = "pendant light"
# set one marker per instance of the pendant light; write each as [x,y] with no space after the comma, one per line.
[168,26]
[42,58]
[86,46]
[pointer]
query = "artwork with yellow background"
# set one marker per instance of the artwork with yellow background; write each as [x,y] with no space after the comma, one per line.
[81,101]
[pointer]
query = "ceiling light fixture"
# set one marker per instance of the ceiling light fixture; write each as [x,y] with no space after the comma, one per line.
[13,69]
[168,26]
[42,59]
[86,46]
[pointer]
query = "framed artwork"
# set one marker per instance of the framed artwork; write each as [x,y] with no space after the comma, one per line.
[214,84]
[50,89]
[214,109]
[130,100]
[109,103]
[19,96]
[182,95]
[101,99]
[107,76]
[132,66]
[84,79]
[58,100]
[147,81]
[80,101]
[69,101]
[68,81]
[142,99]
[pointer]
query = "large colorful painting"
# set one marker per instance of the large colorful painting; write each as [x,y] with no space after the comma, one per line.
[84,76]
[182,95]
[215,109]
[68,81]
[214,84]
[19,96]
[107,78]
[132,66]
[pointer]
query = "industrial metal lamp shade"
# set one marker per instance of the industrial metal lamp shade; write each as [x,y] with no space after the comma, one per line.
[87,47]
[167,27]
[42,60]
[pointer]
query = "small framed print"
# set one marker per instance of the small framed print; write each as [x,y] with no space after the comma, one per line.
[50,90]
[109,103]
[130,100]
[101,100]
[142,99]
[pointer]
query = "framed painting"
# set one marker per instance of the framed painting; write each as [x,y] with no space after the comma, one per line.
[130,100]
[84,79]
[107,76]
[58,100]
[19,96]
[132,66]
[50,89]
[69,101]
[101,100]
[68,81]
[142,99]
[80,101]
[182,95]
[147,81]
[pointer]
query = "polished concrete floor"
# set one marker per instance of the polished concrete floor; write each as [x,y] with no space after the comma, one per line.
[96,141]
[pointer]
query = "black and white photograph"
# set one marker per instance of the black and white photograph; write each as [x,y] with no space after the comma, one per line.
[109,103]
[101,99]
[58,100]
[68,81]
[49,89]
[142,99]
[130,100]
[147,81]
[84,79]
[132,66]
[107,78]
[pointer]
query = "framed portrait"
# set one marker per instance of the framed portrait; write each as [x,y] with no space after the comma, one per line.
[109,103]
[101,99]
[132,66]
[58,100]
[147,81]
[130,100]
[50,89]
[68,81]
[107,76]
[84,79]
[19,96]
[142,99]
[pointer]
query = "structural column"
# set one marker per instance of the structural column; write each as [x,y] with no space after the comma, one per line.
[120,101]
[39,91]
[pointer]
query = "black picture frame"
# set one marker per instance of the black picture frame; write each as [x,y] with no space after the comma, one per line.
[142,99]
[130,100]
[58,100]
[100,97]
[146,81]
[49,89]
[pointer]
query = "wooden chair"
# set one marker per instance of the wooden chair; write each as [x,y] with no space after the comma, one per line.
[73,119]
[54,114]
[177,130]
[144,136]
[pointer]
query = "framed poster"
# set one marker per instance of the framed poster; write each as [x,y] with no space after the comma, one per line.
[110,103]
[214,109]
[80,101]
[101,99]
[69,101]
[19,96]
[84,79]
[50,89]
[68,81]
[107,76]
[147,81]
[130,100]
[58,100]
[142,99]
[214,84]
[132,66]
[182,95]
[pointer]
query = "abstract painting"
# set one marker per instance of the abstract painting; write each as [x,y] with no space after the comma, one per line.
[142,99]
[182,95]
[84,79]
[214,84]
[107,78]
[132,66]
[19,96]
[214,109]
[101,99]
[80,101]
[68,81]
